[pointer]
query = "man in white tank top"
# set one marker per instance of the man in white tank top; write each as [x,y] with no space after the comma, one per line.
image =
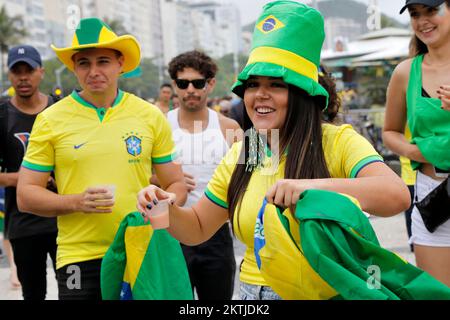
[200,135]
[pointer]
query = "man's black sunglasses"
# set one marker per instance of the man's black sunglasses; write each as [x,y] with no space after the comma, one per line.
[197,83]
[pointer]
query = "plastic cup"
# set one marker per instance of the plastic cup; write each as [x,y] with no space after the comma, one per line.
[159,215]
[111,188]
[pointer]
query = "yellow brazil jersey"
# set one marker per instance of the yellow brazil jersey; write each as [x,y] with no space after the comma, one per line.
[87,147]
[408,174]
[346,153]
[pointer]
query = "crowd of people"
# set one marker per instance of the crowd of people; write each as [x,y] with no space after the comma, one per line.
[222,165]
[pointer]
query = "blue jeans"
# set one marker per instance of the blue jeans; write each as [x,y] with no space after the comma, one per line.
[252,292]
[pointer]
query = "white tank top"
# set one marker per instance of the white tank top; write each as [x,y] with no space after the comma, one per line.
[199,153]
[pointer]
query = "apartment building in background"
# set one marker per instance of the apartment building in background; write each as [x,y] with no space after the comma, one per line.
[211,26]
[225,24]
[164,28]
[178,29]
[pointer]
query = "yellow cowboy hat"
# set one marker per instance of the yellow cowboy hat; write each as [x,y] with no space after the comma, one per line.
[94,33]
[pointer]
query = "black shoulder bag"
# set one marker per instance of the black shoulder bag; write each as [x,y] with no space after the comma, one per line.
[435,207]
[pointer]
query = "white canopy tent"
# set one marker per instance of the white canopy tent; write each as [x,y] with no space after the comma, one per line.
[378,46]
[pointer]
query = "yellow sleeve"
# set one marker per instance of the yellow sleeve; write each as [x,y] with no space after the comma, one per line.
[40,155]
[347,152]
[407,171]
[217,189]
[163,146]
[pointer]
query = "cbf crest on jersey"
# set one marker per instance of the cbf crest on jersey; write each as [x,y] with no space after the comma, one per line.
[133,144]
[270,24]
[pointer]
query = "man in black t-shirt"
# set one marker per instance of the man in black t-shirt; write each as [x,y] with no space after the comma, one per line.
[32,237]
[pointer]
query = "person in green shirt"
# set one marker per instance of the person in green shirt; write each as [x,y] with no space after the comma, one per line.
[419,95]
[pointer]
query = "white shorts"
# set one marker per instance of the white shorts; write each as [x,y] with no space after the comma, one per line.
[420,235]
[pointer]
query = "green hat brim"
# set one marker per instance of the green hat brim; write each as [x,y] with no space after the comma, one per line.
[265,69]
[127,45]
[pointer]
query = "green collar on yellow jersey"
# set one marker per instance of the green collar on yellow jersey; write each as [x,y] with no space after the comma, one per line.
[101,112]
[269,152]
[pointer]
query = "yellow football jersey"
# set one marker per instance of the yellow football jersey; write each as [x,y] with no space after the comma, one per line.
[87,146]
[346,153]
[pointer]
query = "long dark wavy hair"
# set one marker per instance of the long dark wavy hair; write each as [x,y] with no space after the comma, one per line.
[302,133]
[416,46]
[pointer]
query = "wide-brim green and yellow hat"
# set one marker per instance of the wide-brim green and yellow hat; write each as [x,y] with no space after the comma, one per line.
[94,33]
[287,43]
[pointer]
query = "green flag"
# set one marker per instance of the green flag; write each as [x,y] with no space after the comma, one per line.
[329,250]
[340,244]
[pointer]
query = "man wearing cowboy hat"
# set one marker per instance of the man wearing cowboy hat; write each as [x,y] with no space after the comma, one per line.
[97,140]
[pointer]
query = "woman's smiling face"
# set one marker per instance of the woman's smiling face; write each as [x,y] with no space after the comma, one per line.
[430,24]
[266,102]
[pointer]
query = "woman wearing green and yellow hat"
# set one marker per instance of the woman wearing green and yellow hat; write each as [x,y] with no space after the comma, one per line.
[289,148]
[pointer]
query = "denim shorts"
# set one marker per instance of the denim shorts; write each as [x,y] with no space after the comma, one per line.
[252,292]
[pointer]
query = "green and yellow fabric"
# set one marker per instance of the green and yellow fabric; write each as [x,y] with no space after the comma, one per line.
[283,47]
[144,264]
[277,248]
[330,251]
[94,33]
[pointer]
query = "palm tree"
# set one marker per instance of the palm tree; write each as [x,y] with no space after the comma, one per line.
[12,31]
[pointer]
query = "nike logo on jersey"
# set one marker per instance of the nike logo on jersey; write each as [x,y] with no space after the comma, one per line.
[79,146]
